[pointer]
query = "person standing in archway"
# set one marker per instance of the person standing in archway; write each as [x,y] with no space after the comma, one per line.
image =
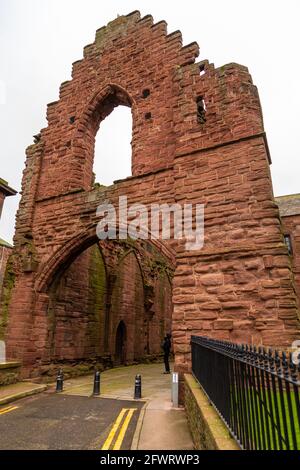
[166,346]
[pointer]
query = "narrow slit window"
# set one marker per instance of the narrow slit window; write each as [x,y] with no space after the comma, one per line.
[288,242]
[201,110]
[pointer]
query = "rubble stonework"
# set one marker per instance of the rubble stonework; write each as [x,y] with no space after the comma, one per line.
[289,209]
[5,251]
[197,139]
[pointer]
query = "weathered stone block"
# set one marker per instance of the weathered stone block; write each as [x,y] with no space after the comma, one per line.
[212,279]
[223,325]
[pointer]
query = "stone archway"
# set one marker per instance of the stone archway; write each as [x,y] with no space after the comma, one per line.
[239,286]
[128,304]
[78,307]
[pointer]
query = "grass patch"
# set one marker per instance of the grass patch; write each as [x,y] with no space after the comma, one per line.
[269,417]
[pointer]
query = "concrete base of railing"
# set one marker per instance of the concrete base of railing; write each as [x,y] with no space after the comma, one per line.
[207,429]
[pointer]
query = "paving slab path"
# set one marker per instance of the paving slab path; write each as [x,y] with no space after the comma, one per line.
[160,426]
[10,393]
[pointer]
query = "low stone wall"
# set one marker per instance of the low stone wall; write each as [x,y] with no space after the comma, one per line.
[47,373]
[9,372]
[207,429]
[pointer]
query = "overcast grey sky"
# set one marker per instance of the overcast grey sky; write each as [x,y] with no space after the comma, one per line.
[39,40]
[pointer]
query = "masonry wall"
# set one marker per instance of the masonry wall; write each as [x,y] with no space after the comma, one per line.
[239,286]
[4,255]
[5,251]
[291,226]
[127,305]
[161,322]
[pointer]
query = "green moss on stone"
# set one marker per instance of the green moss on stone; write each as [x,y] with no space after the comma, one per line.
[97,291]
[160,266]
[8,284]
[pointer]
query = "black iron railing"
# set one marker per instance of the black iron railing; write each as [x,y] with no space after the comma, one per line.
[256,392]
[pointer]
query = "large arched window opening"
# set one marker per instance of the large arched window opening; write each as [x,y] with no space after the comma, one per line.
[112,160]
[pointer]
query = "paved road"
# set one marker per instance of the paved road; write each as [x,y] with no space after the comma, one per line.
[51,421]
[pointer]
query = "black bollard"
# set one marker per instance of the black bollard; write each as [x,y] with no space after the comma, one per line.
[60,381]
[96,390]
[138,387]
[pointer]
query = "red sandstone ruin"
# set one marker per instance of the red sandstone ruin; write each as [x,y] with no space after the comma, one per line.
[196,138]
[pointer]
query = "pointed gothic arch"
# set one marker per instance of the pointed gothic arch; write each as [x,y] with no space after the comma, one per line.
[100,106]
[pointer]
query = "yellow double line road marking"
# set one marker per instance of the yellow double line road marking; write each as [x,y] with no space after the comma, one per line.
[8,409]
[122,431]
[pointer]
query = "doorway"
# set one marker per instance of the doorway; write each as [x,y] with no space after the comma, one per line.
[120,350]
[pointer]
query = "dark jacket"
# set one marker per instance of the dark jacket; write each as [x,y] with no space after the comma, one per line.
[166,345]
